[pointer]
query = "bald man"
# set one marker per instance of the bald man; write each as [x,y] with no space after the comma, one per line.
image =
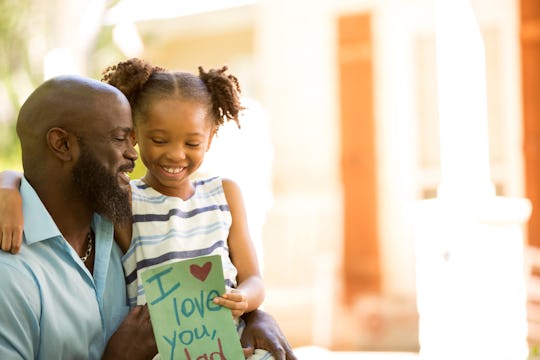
[64,295]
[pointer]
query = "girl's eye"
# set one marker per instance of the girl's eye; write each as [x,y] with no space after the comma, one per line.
[193,144]
[158,141]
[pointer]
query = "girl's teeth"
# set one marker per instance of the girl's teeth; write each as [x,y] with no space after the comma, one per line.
[173,170]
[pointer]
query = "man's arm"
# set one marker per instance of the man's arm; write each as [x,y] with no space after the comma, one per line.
[263,332]
[134,339]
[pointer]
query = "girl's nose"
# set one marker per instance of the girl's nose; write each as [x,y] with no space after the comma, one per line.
[176,152]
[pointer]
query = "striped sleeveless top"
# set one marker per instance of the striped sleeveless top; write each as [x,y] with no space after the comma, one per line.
[168,229]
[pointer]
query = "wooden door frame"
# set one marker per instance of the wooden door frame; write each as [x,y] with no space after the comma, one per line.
[362,269]
[530,78]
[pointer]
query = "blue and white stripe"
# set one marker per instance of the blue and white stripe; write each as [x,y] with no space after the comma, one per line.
[168,229]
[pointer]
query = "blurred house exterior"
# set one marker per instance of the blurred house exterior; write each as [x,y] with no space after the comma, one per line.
[349,95]
[349,88]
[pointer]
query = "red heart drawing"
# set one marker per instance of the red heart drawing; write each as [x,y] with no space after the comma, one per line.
[201,272]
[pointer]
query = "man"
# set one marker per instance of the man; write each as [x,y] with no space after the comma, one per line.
[63,296]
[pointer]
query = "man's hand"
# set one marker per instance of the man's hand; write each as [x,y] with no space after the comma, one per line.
[134,338]
[263,332]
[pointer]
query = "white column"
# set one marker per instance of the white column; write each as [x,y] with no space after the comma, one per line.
[470,280]
[468,242]
[461,77]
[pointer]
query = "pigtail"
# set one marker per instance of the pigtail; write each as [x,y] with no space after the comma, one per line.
[225,91]
[129,77]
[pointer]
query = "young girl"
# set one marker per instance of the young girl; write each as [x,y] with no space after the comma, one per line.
[176,116]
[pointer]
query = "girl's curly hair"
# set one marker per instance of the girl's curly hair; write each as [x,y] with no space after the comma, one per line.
[143,83]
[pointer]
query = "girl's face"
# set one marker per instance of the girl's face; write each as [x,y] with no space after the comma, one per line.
[173,140]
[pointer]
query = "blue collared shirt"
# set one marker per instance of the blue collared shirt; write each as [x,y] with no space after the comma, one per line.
[51,307]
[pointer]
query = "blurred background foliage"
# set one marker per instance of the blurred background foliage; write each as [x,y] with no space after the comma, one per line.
[27,31]
[15,68]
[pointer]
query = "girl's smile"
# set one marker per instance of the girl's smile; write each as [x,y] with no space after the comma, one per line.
[173,172]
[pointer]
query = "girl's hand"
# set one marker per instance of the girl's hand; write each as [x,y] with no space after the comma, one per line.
[11,220]
[235,300]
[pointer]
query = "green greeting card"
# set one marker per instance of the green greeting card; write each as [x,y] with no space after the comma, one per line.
[187,324]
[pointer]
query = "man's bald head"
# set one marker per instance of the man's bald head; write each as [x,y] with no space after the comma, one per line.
[69,102]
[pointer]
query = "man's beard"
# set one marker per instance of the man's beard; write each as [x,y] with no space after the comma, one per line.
[100,189]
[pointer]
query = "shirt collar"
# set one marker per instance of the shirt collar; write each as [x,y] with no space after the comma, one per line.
[38,223]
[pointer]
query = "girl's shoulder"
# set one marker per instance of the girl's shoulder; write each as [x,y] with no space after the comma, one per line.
[214,187]
[216,182]
[210,182]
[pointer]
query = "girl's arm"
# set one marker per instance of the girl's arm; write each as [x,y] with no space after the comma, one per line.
[122,235]
[11,217]
[249,293]
[123,232]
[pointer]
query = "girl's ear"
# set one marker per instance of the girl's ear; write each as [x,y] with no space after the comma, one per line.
[61,143]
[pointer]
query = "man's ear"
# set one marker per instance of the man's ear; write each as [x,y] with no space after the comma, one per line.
[61,143]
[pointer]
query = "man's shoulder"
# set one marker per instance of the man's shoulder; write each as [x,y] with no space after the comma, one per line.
[35,259]
[17,268]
